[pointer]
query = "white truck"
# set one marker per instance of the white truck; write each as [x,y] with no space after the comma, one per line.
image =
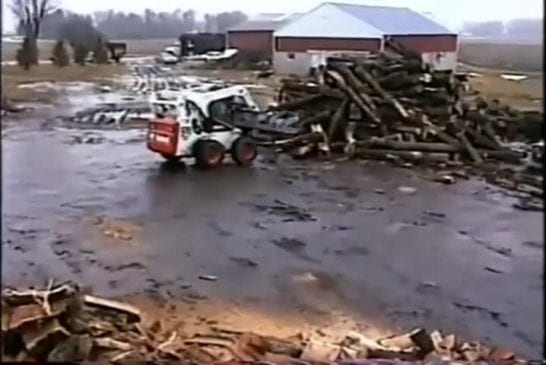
[170,55]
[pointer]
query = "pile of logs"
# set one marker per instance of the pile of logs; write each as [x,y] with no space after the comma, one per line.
[63,324]
[391,105]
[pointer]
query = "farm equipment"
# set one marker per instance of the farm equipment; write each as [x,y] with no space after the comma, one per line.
[113,113]
[196,123]
[117,50]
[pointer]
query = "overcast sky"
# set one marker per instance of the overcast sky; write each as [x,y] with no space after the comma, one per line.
[451,13]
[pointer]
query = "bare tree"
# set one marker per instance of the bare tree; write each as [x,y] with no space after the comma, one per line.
[30,14]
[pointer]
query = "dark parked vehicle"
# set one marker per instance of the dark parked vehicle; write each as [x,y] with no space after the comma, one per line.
[199,43]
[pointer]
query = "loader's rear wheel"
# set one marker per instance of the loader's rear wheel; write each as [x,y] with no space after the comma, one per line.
[244,151]
[171,159]
[209,154]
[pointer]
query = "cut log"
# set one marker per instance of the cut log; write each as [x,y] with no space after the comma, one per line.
[398,80]
[20,316]
[482,140]
[39,340]
[419,131]
[414,156]
[365,76]
[110,343]
[395,46]
[488,130]
[502,155]
[442,79]
[442,113]
[442,135]
[16,297]
[409,92]
[339,116]
[354,96]
[295,141]
[415,146]
[353,82]
[317,118]
[478,117]
[469,148]
[296,104]
[132,313]
[312,89]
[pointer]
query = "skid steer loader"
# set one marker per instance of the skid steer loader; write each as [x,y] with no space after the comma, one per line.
[192,123]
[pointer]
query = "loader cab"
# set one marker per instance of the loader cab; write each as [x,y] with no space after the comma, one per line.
[226,108]
[230,105]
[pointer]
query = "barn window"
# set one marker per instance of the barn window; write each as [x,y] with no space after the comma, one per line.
[291,56]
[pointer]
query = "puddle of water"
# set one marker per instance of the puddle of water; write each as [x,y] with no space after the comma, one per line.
[38,86]
[48,85]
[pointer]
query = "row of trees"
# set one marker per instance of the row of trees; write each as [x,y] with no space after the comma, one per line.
[517,28]
[60,56]
[81,52]
[150,24]
[84,33]
[58,23]
[39,17]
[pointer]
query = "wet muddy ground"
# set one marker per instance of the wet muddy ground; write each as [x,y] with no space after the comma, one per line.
[301,240]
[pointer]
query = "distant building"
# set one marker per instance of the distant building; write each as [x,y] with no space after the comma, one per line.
[254,37]
[334,28]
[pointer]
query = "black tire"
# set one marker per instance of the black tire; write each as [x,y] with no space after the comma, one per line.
[209,154]
[171,159]
[244,151]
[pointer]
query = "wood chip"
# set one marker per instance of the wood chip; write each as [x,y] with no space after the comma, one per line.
[208,277]
[133,313]
[110,343]
[50,331]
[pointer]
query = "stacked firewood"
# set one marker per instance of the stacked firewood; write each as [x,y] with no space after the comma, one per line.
[392,104]
[63,324]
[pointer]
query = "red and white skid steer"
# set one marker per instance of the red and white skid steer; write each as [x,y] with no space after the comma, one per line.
[195,123]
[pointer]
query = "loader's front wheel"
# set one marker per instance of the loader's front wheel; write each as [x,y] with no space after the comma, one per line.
[244,151]
[209,154]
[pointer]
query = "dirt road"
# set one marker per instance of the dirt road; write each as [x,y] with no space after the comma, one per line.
[300,239]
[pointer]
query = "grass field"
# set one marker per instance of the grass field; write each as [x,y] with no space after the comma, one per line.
[522,94]
[144,47]
[516,57]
